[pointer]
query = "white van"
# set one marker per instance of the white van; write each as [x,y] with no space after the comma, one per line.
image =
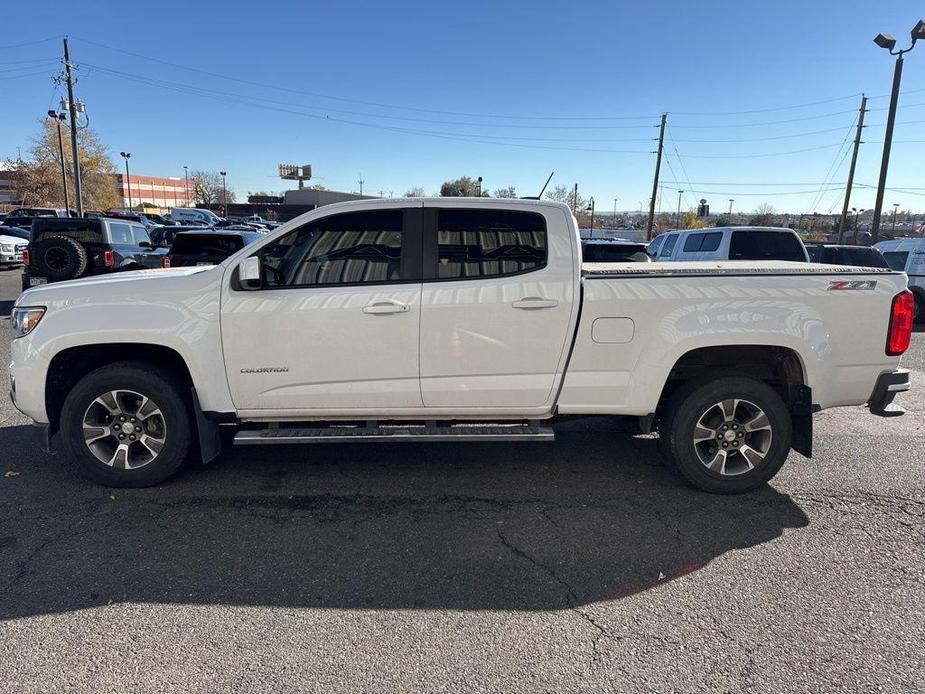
[187,215]
[728,243]
[908,255]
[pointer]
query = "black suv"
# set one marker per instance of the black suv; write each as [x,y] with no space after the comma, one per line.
[64,249]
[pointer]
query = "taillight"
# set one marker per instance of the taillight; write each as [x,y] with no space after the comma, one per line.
[165,261]
[901,316]
[26,256]
[108,258]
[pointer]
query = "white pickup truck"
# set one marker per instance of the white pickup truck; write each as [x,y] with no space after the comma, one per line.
[452,319]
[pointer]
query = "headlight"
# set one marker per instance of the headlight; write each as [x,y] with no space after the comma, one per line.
[25,318]
[7,248]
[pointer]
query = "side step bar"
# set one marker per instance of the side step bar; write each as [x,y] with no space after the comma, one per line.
[396,432]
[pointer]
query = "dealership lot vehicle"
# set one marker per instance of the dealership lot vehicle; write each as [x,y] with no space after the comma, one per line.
[858,256]
[613,251]
[728,243]
[162,237]
[65,249]
[453,320]
[908,255]
[194,215]
[11,250]
[196,248]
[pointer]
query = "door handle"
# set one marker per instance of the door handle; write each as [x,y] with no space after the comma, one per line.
[384,307]
[534,302]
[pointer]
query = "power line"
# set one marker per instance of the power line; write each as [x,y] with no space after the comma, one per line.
[761,154]
[766,110]
[31,43]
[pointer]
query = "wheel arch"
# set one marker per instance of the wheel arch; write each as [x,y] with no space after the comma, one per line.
[69,365]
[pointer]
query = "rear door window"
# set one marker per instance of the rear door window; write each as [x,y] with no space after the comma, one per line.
[489,243]
[703,243]
[140,235]
[121,233]
[766,245]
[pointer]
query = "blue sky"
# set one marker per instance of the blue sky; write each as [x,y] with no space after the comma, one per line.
[507,90]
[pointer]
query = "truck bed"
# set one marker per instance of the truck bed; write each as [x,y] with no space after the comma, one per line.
[722,268]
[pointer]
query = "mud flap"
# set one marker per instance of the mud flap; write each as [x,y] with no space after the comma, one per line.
[801,418]
[210,442]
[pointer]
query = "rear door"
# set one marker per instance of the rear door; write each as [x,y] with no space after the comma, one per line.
[123,243]
[334,327]
[497,305]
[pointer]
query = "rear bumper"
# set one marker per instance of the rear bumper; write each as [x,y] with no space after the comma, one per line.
[888,386]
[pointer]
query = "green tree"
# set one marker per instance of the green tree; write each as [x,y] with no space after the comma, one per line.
[464,187]
[38,177]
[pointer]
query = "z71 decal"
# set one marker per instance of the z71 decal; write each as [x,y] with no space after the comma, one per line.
[841,285]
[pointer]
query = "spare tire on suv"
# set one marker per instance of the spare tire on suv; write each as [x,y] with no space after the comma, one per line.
[60,258]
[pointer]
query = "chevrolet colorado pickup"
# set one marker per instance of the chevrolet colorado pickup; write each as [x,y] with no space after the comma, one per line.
[453,319]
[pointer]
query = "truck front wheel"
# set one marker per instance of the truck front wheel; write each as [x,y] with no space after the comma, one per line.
[126,425]
[727,435]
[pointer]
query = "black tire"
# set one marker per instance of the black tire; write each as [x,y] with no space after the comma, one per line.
[60,258]
[138,378]
[767,452]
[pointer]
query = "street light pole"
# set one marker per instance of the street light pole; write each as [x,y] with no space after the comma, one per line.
[615,213]
[128,180]
[186,195]
[731,200]
[678,223]
[857,224]
[225,195]
[591,207]
[58,117]
[889,43]
[895,205]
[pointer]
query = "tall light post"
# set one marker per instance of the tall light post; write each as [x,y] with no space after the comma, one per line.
[731,200]
[895,205]
[857,223]
[479,181]
[590,209]
[224,195]
[615,213]
[128,180]
[57,118]
[678,222]
[186,196]
[888,43]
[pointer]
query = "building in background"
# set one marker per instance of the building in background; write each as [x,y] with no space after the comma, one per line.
[7,184]
[154,190]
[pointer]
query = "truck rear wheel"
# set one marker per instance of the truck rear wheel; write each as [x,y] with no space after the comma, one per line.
[727,435]
[126,425]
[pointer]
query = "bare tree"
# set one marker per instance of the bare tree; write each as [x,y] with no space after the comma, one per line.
[566,194]
[763,215]
[507,192]
[416,192]
[209,187]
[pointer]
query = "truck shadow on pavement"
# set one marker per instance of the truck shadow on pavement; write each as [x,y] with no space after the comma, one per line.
[591,517]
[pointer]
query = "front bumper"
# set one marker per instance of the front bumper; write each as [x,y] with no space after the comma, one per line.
[10,258]
[889,385]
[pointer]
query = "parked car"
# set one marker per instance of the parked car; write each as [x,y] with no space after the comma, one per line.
[613,251]
[191,248]
[908,255]
[11,250]
[159,219]
[729,243]
[162,237]
[194,215]
[453,319]
[858,256]
[65,249]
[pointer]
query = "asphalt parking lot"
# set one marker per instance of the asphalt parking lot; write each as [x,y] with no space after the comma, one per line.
[582,565]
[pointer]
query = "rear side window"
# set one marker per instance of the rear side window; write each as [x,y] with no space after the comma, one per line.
[699,243]
[140,234]
[765,245]
[352,248]
[654,247]
[489,243]
[896,259]
[121,233]
[612,253]
[862,257]
[669,246]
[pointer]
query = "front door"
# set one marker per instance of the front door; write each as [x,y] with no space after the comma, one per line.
[334,326]
[497,305]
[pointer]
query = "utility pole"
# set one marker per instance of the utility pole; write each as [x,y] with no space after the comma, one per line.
[614,213]
[854,161]
[72,108]
[658,167]
[58,117]
[591,207]
[575,201]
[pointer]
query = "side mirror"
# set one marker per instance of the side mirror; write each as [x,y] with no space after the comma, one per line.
[249,273]
[144,244]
